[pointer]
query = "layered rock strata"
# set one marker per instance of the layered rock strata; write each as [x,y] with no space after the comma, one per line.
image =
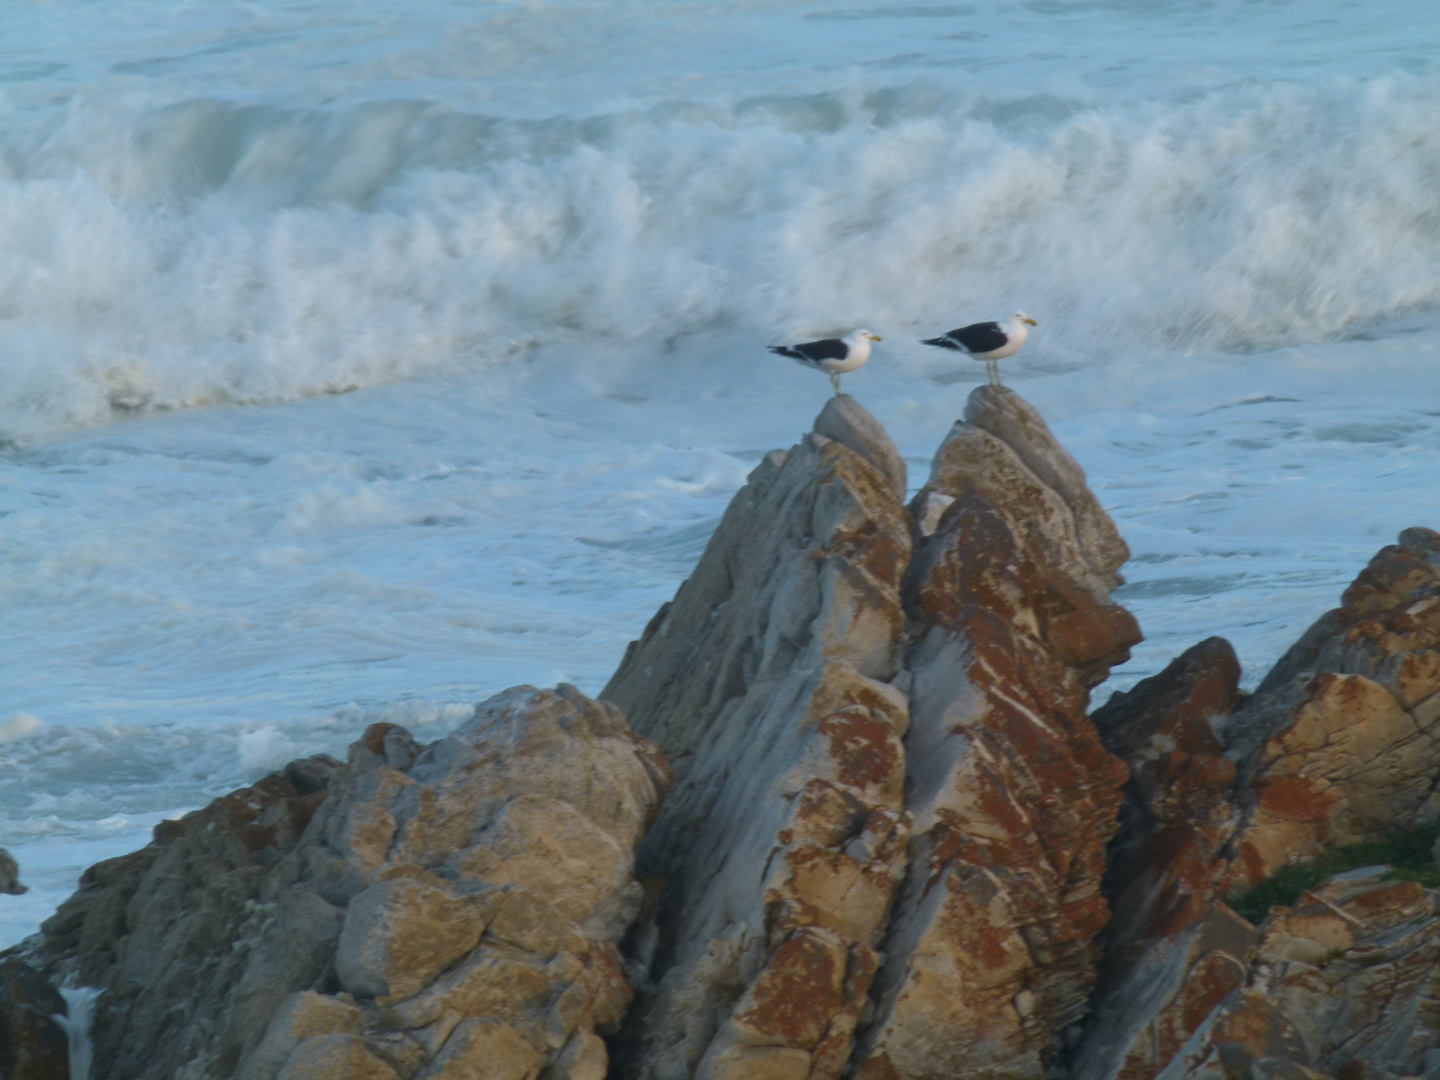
[1344,984]
[835,668]
[1340,743]
[881,857]
[1173,951]
[441,911]
[767,682]
[991,950]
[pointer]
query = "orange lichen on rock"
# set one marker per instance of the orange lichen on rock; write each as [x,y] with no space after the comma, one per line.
[991,949]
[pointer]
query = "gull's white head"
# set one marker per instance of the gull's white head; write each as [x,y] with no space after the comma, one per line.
[864,335]
[1018,317]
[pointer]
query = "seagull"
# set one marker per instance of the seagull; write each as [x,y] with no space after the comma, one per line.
[834,356]
[988,341]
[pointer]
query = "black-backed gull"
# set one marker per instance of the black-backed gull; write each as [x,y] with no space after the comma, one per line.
[988,341]
[834,356]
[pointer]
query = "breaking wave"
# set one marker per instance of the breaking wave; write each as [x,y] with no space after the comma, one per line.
[169,255]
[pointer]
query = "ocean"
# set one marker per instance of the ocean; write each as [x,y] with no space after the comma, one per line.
[359,360]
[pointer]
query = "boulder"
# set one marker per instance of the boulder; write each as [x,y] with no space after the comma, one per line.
[10,875]
[33,1040]
[767,682]
[380,918]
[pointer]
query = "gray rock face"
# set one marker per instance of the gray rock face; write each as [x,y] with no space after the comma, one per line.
[419,911]
[767,683]
[837,674]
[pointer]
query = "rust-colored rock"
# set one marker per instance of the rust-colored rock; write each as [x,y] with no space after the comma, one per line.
[991,950]
[1340,744]
[1337,745]
[1342,985]
[1177,814]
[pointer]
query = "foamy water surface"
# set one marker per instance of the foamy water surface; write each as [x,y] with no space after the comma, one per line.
[359,362]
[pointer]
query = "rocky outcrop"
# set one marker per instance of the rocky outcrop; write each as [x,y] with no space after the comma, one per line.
[442,911]
[1173,951]
[1344,984]
[835,669]
[991,950]
[895,846]
[767,682]
[1340,741]
[10,875]
[33,1041]
[1338,745]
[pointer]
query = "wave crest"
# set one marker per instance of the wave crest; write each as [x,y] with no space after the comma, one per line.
[204,252]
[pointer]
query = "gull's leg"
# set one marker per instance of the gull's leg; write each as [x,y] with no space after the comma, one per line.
[835,383]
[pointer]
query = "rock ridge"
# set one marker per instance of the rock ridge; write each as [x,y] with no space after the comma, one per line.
[840,812]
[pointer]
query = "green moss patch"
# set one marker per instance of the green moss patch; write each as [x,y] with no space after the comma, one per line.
[1407,852]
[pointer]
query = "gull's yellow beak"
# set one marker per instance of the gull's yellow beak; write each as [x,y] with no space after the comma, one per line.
[1032,322]
[876,337]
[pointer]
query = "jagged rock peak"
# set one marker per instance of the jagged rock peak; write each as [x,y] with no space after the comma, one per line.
[1172,952]
[1362,685]
[1003,441]
[847,422]
[1177,813]
[990,951]
[767,680]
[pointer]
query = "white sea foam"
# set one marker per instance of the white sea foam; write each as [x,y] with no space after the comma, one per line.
[240,254]
[544,243]
[77,1022]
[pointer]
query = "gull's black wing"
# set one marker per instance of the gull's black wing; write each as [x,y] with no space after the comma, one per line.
[829,349]
[980,337]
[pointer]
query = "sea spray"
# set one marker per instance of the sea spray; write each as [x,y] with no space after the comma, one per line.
[294,253]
